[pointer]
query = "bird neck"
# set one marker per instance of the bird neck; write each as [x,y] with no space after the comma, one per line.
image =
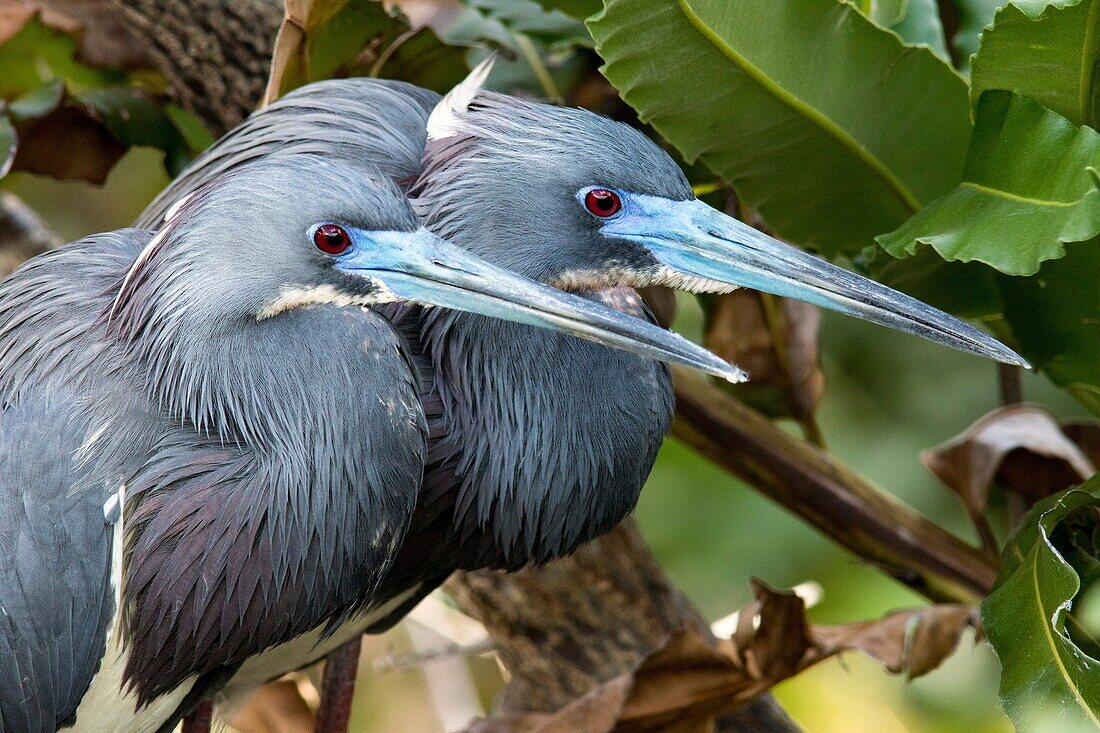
[277,505]
[549,438]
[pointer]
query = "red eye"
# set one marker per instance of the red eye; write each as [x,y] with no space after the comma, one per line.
[602,202]
[331,239]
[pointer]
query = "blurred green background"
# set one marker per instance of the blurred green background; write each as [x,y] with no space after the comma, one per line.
[887,395]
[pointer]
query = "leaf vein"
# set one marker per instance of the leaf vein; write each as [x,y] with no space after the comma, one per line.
[893,183]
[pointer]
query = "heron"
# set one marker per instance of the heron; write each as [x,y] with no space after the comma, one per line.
[210,444]
[537,443]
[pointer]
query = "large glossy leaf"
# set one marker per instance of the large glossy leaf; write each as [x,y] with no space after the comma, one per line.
[1049,51]
[1046,677]
[1056,319]
[828,125]
[1030,186]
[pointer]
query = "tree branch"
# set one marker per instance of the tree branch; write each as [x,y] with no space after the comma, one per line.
[837,501]
[22,233]
[577,622]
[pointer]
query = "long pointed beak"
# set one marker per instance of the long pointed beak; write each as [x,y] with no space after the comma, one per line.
[420,267]
[701,243]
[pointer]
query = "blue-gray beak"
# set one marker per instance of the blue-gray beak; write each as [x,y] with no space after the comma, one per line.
[420,267]
[716,250]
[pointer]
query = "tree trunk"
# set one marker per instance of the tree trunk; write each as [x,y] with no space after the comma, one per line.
[565,628]
[214,53]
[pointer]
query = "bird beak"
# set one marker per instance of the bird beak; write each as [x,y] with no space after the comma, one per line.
[420,267]
[703,244]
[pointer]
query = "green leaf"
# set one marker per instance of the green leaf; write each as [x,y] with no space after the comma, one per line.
[1044,672]
[1047,51]
[967,289]
[829,158]
[549,27]
[916,21]
[1029,187]
[921,25]
[37,54]
[1055,317]
[366,39]
[974,15]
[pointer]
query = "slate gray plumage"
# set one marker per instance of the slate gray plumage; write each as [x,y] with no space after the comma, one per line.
[89,406]
[211,447]
[537,443]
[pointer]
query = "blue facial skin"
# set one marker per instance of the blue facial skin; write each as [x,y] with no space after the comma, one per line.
[420,267]
[698,241]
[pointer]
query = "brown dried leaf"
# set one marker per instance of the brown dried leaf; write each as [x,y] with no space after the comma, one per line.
[1022,446]
[64,138]
[912,642]
[289,62]
[1086,434]
[739,331]
[685,683]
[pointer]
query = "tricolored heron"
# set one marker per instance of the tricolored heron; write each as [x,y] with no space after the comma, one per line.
[538,443]
[209,446]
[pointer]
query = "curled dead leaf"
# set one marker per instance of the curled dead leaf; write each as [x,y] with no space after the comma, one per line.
[689,680]
[776,341]
[1021,446]
[1086,434]
[290,62]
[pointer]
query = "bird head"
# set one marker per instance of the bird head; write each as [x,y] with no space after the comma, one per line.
[294,231]
[582,202]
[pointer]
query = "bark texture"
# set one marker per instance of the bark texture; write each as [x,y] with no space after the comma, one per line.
[565,628]
[214,53]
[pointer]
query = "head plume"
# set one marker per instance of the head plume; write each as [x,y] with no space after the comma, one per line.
[445,119]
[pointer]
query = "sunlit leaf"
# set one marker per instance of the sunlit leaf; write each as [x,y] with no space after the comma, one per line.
[1030,187]
[37,55]
[1044,672]
[829,158]
[1047,51]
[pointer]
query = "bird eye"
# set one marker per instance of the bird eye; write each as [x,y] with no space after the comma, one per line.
[332,239]
[601,202]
